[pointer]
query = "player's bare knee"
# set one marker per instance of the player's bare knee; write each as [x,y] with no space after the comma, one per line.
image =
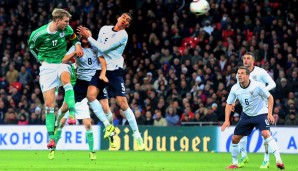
[266,134]
[235,139]
[91,97]
[65,78]
[123,104]
[48,104]
[87,124]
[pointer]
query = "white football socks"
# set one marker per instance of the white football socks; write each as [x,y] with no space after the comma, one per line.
[235,153]
[242,146]
[97,109]
[274,148]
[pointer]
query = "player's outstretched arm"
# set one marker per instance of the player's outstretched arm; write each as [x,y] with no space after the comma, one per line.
[102,47]
[68,57]
[103,72]
[228,111]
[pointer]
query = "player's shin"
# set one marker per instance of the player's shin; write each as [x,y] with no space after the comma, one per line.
[266,153]
[69,98]
[90,140]
[97,109]
[58,133]
[242,146]
[134,126]
[131,120]
[110,117]
[60,115]
[235,153]
[50,121]
[274,148]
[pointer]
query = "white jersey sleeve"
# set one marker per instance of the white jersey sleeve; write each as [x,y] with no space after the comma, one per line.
[268,80]
[260,75]
[232,95]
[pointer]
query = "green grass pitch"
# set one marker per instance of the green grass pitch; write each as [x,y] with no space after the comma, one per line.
[132,161]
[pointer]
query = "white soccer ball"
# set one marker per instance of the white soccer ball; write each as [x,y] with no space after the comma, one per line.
[199,7]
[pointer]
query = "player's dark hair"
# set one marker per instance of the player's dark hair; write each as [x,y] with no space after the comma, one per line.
[245,68]
[251,54]
[129,14]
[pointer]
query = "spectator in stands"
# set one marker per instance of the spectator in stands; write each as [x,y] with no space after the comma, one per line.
[3,82]
[34,119]
[23,120]
[235,118]
[10,117]
[12,74]
[24,76]
[277,121]
[291,119]
[171,117]
[3,110]
[282,90]
[159,120]
[139,117]
[148,118]
[210,116]
[188,112]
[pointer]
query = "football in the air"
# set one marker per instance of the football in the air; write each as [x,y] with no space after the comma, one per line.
[199,7]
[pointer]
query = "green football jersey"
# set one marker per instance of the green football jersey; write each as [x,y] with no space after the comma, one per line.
[50,47]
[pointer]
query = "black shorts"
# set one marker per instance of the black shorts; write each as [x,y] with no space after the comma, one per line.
[116,86]
[247,123]
[80,90]
[100,84]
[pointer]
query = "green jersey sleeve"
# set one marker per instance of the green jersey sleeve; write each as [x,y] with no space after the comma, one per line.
[35,41]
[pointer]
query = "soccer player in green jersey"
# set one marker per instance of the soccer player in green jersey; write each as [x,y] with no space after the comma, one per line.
[48,44]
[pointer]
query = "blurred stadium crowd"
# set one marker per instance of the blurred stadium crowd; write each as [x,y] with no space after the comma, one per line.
[179,67]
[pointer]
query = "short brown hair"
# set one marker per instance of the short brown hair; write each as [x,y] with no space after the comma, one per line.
[245,68]
[59,13]
[129,14]
[251,54]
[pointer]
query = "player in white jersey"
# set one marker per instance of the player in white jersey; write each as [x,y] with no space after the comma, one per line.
[111,43]
[256,113]
[260,75]
[86,68]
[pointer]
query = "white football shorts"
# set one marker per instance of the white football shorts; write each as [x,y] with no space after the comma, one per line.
[50,75]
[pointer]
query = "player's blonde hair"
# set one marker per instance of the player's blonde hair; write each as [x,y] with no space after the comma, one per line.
[59,13]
